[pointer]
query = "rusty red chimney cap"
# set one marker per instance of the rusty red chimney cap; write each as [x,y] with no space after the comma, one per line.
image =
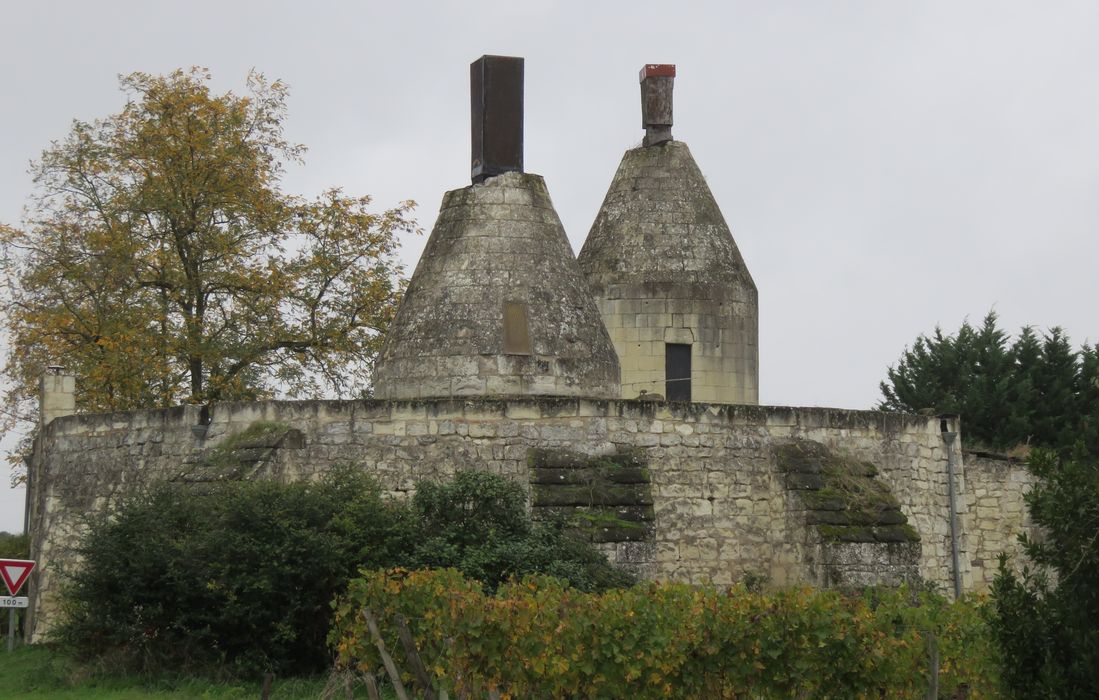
[658,70]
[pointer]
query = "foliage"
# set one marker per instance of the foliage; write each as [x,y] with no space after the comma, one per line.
[232,577]
[235,577]
[539,638]
[1047,619]
[1034,391]
[44,672]
[14,546]
[478,524]
[161,263]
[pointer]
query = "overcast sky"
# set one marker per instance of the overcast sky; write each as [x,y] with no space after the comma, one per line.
[884,166]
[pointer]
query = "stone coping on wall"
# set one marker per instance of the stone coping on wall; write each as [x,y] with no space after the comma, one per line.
[504,407]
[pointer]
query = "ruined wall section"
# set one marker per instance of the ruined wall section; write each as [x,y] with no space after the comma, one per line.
[722,509]
[997,514]
[82,465]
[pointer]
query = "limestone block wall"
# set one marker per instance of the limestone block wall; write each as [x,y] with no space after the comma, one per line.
[721,506]
[56,396]
[909,454]
[997,514]
[716,322]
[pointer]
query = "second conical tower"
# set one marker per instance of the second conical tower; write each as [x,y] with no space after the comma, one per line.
[666,274]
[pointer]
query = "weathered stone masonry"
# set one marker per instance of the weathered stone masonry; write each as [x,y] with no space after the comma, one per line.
[500,359]
[722,504]
[997,513]
[497,265]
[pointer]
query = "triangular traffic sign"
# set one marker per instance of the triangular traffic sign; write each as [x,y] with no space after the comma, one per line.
[15,573]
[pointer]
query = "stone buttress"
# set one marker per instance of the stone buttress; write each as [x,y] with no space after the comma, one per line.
[666,274]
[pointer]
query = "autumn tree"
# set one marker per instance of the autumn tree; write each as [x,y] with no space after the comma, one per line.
[161,263]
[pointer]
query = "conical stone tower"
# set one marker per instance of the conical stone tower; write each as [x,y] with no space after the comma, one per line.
[497,304]
[670,283]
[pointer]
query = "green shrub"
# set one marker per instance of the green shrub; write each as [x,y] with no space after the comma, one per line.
[233,577]
[478,523]
[237,577]
[540,638]
[14,546]
[1047,619]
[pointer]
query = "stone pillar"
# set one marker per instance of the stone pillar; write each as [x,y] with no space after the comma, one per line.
[56,395]
[56,398]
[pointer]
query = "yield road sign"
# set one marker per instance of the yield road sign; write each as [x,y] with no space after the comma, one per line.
[15,573]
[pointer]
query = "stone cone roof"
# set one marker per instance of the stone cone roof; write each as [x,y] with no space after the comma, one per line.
[664,270]
[497,244]
[659,223]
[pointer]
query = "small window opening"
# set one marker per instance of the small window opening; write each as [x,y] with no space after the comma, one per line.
[677,371]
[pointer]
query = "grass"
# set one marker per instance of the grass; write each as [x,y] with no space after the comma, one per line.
[39,672]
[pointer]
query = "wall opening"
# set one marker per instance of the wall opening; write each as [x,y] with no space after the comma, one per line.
[677,371]
[516,329]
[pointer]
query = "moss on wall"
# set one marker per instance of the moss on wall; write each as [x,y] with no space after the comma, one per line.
[842,496]
[239,455]
[603,499]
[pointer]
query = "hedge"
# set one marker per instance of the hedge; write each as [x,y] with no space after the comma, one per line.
[539,638]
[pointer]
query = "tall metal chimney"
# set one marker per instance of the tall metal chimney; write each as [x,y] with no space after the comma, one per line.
[496,110]
[657,81]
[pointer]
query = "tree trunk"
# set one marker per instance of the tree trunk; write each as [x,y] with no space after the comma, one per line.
[195,366]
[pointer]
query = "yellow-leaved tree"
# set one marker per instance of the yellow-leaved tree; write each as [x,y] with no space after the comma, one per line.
[160,262]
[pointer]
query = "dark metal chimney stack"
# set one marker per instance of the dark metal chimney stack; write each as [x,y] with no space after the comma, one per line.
[496,104]
[657,80]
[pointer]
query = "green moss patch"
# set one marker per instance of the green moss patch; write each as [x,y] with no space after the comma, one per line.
[842,495]
[602,499]
[238,455]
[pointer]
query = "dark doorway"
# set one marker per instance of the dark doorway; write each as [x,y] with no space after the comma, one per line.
[677,372]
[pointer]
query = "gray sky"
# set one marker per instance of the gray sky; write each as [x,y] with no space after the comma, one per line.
[884,166]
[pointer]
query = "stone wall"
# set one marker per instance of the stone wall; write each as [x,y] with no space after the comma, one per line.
[642,318]
[722,506]
[997,514]
[56,396]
